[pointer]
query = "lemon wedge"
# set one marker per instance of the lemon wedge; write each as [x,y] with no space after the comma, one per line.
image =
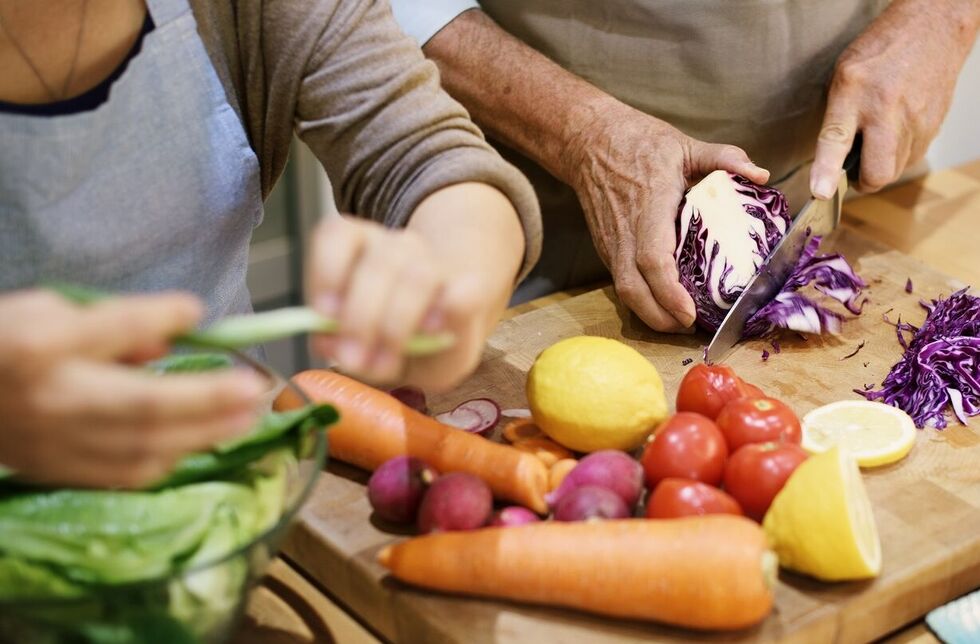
[873,433]
[821,523]
[589,393]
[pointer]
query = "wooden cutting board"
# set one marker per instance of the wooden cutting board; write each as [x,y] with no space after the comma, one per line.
[927,507]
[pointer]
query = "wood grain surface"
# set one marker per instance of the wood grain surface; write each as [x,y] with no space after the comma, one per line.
[926,506]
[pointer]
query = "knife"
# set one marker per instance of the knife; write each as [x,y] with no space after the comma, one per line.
[816,217]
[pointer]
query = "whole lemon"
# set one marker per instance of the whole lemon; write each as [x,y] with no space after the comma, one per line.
[591,393]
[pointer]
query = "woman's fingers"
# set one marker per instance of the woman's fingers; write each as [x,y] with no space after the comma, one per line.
[130,325]
[337,245]
[110,394]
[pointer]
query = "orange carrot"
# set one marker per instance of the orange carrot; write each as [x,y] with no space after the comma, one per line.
[521,429]
[710,572]
[375,427]
[559,471]
[545,449]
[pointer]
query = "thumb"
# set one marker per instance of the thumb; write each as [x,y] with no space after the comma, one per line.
[834,142]
[709,157]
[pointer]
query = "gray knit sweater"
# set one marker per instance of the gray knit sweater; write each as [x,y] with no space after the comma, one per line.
[360,94]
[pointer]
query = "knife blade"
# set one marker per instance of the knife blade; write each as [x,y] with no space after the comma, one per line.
[817,217]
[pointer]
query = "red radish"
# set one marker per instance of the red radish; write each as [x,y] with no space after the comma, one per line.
[412,397]
[591,502]
[396,488]
[513,515]
[456,501]
[609,468]
[478,416]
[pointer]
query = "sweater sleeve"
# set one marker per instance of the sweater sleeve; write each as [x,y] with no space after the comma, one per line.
[371,109]
[423,20]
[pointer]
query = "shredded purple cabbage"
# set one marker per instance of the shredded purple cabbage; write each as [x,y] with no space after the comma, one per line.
[941,364]
[831,275]
[715,266]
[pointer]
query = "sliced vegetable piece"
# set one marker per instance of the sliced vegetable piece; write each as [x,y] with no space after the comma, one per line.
[521,429]
[942,357]
[547,450]
[558,472]
[478,416]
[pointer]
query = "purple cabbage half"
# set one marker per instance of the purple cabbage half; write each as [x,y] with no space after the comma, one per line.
[726,228]
[941,364]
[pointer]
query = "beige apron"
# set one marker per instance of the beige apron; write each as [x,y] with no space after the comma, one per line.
[752,73]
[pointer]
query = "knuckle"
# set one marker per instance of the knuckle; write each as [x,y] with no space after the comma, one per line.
[851,73]
[835,133]
[627,290]
[651,262]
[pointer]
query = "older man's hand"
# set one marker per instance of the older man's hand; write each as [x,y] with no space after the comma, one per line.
[894,84]
[630,171]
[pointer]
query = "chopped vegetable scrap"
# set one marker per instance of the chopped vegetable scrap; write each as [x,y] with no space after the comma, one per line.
[478,416]
[941,363]
[908,285]
[686,361]
[855,352]
[831,275]
[765,355]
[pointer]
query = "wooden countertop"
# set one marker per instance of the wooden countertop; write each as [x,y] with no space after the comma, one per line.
[934,219]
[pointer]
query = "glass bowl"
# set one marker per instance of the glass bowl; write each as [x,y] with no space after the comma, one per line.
[199,604]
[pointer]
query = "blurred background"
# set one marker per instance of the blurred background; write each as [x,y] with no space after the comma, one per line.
[303,196]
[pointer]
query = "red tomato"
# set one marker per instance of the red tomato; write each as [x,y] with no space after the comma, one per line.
[705,390]
[684,498]
[757,472]
[758,420]
[688,446]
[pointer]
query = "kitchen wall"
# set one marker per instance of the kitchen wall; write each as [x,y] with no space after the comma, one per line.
[959,138]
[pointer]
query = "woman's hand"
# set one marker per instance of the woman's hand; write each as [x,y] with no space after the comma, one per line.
[71,411]
[630,171]
[452,269]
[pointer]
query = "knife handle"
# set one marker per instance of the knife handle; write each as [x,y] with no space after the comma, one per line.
[852,162]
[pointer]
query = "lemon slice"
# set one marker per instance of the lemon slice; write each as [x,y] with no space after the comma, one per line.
[873,433]
[821,523]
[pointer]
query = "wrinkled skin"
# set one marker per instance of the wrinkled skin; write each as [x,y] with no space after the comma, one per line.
[629,171]
[894,84]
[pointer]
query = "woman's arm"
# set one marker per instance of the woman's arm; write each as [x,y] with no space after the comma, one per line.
[371,108]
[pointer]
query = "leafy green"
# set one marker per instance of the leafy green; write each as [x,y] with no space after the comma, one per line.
[88,553]
[275,431]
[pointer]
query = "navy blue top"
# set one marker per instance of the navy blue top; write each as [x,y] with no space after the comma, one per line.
[90,99]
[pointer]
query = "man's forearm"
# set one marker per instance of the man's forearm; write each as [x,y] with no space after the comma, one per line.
[515,93]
